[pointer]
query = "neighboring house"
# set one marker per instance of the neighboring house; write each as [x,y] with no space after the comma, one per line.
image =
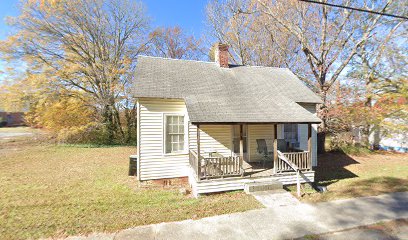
[223,125]
[388,139]
[11,119]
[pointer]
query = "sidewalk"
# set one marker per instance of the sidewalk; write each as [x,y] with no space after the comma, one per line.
[281,222]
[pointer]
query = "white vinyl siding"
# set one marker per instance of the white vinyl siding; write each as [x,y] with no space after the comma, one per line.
[302,133]
[153,162]
[212,138]
[259,131]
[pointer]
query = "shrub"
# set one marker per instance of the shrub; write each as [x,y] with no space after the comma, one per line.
[344,142]
[89,133]
[93,133]
[339,140]
[3,122]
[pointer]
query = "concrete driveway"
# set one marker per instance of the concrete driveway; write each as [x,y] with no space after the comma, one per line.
[13,134]
[280,222]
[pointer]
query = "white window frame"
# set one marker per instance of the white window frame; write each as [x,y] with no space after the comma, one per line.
[185,150]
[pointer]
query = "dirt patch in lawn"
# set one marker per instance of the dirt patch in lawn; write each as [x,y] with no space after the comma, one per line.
[16,138]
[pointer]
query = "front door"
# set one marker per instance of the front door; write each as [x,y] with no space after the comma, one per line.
[236,138]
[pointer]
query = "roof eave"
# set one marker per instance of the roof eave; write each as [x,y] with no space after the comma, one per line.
[237,123]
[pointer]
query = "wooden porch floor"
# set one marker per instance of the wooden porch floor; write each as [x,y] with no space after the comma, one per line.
[258,169]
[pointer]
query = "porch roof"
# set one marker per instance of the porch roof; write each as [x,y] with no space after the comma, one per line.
[240,109]
[235,95]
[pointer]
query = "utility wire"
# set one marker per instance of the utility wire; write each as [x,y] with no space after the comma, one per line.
[356,9]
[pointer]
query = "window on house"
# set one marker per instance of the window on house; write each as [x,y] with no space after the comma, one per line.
[291,133]
[174,134]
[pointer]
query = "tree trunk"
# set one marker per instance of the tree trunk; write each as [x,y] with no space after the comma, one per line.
[321,135]
[130,115]
[321,140]
[368,101]
[117,122]
[108,124]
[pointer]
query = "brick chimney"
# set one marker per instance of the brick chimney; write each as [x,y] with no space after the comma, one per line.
[221,55]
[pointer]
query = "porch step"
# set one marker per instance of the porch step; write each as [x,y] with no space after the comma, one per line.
[262,186]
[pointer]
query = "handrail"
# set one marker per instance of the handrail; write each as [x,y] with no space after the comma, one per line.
[283,158]
[194,153]
[300,159]
[294,167]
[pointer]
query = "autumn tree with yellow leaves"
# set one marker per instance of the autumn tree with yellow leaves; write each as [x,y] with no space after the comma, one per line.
[80,57]
[81,46]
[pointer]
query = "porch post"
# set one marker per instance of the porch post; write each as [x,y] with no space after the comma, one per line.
[275,148]
[198,153]
[309,145]
[241,145]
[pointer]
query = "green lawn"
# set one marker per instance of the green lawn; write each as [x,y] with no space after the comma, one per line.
[55,191]
[348,176]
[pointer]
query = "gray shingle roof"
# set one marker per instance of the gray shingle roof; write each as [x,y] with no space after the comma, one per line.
[235,94]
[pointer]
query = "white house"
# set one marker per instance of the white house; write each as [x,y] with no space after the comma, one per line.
[224,126]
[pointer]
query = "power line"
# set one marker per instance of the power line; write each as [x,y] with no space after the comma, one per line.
[356,9]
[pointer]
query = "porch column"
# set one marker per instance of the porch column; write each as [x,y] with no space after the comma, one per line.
[241,145]
[198,153]
[275,148]
[309,145]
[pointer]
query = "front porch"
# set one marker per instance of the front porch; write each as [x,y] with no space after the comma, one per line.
[211,171]
[212,164]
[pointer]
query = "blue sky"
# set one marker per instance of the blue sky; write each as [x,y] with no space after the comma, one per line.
[189,15]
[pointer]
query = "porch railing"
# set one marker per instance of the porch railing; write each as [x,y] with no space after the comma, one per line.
[301,159]
[282,158]
[193,158]
[216,167]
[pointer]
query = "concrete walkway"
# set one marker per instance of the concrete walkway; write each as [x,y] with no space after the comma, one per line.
[275,198]
[280,222]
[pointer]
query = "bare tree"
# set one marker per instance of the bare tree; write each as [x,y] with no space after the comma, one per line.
[250,37]
[381,62]
[173,43]
[327,37]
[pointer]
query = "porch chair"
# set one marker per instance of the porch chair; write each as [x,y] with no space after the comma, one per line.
[262,148]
